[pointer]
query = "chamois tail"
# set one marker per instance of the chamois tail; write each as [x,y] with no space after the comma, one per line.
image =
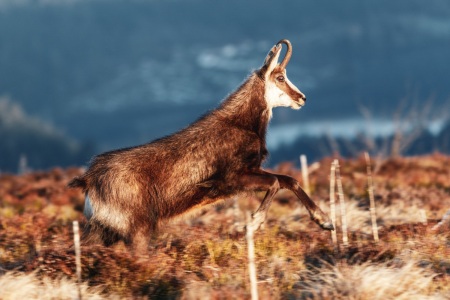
[78,182]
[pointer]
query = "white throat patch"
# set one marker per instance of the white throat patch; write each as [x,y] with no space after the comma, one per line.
[275,97]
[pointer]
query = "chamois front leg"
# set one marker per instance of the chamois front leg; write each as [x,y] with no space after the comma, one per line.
[317,215]
[258,182]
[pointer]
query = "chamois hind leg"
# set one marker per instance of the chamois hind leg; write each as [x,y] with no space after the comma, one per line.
[140,242]
[140,239]
[254,182]
[317,215]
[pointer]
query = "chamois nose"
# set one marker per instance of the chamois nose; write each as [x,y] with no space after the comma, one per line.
[303,97]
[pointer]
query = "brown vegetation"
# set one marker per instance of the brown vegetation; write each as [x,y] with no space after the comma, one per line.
[206,256]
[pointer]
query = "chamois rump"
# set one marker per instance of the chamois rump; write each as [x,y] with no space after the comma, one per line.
[130,191]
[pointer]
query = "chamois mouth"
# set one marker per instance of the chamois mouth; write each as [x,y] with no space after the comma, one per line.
[298,104]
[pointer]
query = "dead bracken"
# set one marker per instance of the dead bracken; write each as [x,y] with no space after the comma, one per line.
[206,256]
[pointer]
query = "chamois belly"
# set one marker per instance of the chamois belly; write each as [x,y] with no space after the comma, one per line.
[116,207]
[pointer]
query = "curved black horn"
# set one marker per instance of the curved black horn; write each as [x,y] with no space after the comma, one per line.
[287,57]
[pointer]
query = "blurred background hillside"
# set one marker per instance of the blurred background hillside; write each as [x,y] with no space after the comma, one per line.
[78,77]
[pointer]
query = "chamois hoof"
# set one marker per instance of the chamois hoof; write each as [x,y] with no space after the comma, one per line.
[322,220]
[327,226]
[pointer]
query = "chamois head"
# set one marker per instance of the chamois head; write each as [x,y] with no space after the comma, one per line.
[279,91]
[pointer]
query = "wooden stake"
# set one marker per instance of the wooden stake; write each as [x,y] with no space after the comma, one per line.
[373,212]
[305,175]
[342,205]
[251,258]
[423,217]
[76,239]
[445,219]
[332,204]
[236,212]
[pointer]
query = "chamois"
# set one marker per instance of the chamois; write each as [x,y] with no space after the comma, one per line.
[130,191]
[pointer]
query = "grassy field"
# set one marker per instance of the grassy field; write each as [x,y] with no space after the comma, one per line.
[205,257]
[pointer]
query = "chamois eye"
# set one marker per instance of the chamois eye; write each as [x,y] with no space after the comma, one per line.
[280,78]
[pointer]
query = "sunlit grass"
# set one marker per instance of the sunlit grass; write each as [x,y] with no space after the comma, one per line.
[16,285]
[206,256]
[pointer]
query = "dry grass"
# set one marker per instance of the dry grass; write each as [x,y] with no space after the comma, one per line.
[371,281]
[30,286]
[206,257]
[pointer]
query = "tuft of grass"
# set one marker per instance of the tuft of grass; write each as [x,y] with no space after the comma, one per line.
[30,286]
[371,281]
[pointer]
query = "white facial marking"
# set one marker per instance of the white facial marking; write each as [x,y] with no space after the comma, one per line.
[276,97]
[292,86]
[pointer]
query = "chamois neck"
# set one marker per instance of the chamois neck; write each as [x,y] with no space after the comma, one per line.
[246,107]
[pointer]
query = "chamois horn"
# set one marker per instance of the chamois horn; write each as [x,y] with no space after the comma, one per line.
[287,57]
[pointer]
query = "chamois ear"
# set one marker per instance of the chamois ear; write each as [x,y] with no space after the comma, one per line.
[271,60]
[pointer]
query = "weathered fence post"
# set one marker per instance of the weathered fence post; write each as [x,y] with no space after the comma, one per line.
[76,239]
[251,258]
[373,213]
[333,204]
[342,205]
[305,175]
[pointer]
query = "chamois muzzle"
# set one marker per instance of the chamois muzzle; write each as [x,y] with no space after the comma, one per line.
[287,57]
